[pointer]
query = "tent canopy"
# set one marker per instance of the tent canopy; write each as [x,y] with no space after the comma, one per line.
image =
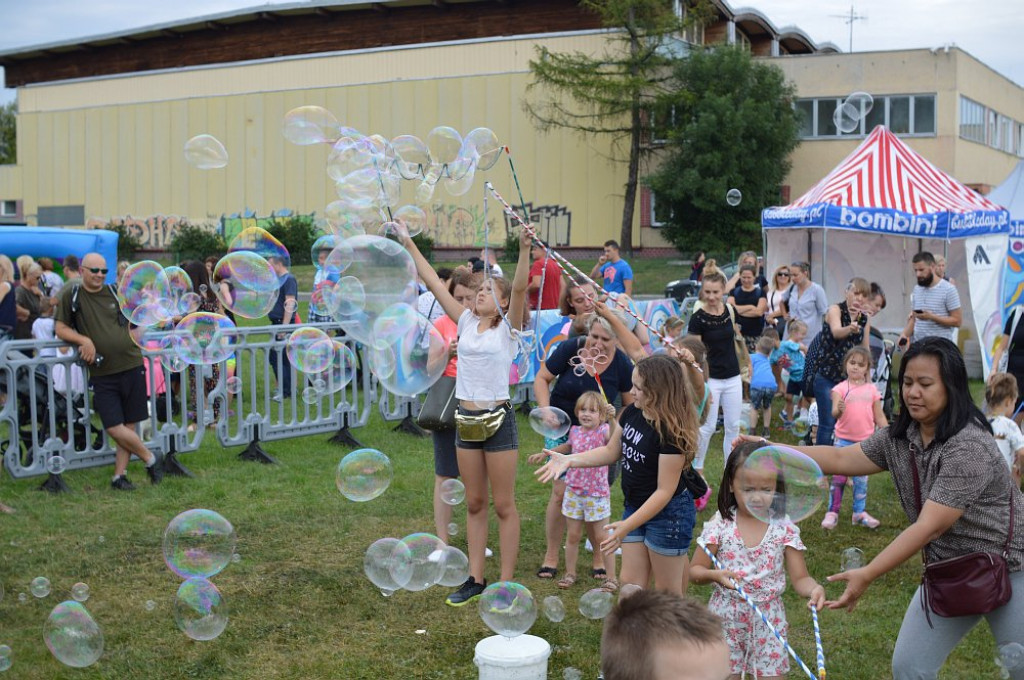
[1010,194]
[885,187]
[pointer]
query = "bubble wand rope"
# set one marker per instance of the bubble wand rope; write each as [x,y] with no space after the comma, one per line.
[817,644]
[764,619]
[563,263]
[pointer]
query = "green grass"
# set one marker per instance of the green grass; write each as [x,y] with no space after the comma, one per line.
[300,604]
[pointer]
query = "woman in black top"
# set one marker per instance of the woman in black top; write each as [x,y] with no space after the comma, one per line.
[8,308]
[750,302]
[846,325]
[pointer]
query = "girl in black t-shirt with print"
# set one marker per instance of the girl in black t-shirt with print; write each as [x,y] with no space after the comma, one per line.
[656,438]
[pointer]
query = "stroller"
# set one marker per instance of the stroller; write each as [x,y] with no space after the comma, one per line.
[881,372]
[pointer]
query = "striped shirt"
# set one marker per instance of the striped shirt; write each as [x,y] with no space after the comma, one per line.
[940,299]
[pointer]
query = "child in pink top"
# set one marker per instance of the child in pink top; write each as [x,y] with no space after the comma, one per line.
[857,408]
[587,500]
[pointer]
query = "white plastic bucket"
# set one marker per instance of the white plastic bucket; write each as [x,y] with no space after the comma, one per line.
[522,658]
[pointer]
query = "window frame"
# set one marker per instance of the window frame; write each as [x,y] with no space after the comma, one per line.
[861,132]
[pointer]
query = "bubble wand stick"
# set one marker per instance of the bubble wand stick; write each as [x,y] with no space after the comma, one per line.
[817,644]
[764,619]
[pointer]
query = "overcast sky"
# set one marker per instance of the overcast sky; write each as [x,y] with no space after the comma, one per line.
[990,30]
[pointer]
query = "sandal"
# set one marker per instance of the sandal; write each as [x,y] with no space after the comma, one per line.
[599,574]
[567,581]
[547,572]
[609,586]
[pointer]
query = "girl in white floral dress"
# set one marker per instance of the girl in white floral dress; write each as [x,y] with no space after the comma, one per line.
[757,555]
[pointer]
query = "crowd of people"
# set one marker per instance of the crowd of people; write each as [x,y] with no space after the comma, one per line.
[646,416]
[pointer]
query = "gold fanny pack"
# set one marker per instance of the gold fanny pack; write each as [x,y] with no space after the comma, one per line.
[479,428]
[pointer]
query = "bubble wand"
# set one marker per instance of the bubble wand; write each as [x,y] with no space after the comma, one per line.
[817,644]
[764,619]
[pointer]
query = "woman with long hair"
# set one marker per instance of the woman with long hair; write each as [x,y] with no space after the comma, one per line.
[656,437]
[29,296]
[8,307]
[576,302]
[775,314]
[486,438]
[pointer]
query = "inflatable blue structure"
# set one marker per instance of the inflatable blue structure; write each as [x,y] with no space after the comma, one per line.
[57,243]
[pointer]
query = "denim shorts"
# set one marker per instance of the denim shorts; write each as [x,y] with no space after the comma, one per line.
[761,397]
[505,439]
[670,531]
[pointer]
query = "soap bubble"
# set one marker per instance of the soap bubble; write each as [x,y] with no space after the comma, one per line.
[253,285]
[200,610]
[150,605]
[427,559]
[485,143]
[308,125]
[55,465]
[799,486]
[40,586]
[554,608]
[144,294]
[72,635]
[508,608]
[456,567]
[363,475]
[387,275]
[5,663]
[392,324]
[348,217]
[205,152]
[453,529]
[800,426]
[388,564]
[233,385]
[22,598]
[198,543]
[80,592]
[415,360]
[461,181]
[853,558]
[572,674]
[342,369]
[321,248]
[204,338]
[309,349]
[595,604]
[444,143]
[310,395]
[453,492]
[1011,657]
[182,298]
[347,300]
[415,218]
[550,422]
[413,157]
[261,242]
[846,118]
[733,197]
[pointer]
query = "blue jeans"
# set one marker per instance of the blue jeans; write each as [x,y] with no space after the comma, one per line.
[826,423]
[860,487]
[285,379]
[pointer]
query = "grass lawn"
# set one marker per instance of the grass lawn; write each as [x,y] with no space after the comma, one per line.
[300,604]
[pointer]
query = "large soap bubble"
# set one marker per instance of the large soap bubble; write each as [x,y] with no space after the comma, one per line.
[204,338]
[793,484]
[260,241]
[456,567]
[415,360]
[426,555]
[144,294]
[550,422]
[252,284]
[596,603]
[308,125]
[852,558]
[387,275]
[342,369]
[388,565]
[72,635]
[453,491]
[485,144]
[200,611]
[413,157]
[414,217]
[554,608]
[309,349]
[198,543]
[349,216]
[363,475]
[444,143]
[508,608]
[205,152]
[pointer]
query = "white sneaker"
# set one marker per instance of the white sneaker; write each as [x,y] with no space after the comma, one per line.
[589,546]
[488,552]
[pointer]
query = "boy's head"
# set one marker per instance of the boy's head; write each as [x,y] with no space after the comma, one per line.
[1001,393]
[657,635]
[765,344]
[773,334]
[797,330]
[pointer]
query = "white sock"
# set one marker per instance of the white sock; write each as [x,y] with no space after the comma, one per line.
[116,477]
[152,462]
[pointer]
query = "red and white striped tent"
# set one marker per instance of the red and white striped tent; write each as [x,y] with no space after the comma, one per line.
[869,216]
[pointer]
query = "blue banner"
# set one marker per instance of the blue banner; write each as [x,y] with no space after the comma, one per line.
[1013,272]
[941,225]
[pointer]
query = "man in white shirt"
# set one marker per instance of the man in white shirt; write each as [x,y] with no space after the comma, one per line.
[935,304]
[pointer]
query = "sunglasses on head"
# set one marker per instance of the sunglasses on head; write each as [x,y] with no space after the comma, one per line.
[97,270]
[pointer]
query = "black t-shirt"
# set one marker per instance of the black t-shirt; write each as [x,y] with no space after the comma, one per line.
[1015,362]
[617,378]
[641,446]
[717,334]
[750,326]
[289,287]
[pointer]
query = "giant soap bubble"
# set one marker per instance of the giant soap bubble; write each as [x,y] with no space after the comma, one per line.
[787,482]
[198,543]
[72,635]
[363,475]
[200,610]
[427,559]
[253,285]
[387,275]
[342,369]
[456,567]
[144,294]
[414,361]
[307,125]
[260,241]
[205,152]
[388,565]
[309,349]
[508,608]
[550,422]
[204,338]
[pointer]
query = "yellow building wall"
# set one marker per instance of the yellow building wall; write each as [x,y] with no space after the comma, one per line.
[115,145]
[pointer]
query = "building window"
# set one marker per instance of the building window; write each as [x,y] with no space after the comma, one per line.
[8,208]
[903,114]
[983,125]
[663,119]
[661,212]
[972,120]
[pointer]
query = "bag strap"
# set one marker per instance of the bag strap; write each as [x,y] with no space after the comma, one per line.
[1013,328]
[917,495]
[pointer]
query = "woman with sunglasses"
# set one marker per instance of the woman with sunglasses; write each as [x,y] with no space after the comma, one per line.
[775,316]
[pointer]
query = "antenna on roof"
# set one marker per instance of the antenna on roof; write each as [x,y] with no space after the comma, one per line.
[848,19]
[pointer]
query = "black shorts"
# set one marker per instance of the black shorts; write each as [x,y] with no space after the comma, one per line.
[120,398]
[446,462]
[795,388]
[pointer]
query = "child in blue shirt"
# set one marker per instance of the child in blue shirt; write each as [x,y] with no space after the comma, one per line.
[762,384]
[790,356]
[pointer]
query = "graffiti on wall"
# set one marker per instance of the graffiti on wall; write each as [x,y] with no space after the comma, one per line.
[553,222]
[154,232]
[232,225]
